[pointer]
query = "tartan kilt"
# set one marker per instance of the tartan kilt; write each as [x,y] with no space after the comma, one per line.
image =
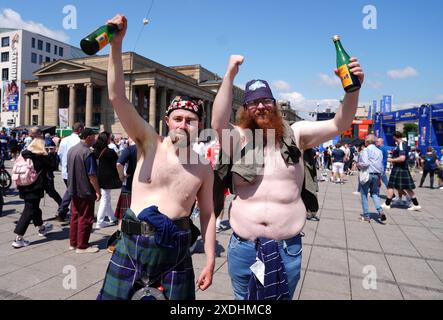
[400,178]
[135,254]
[123,204]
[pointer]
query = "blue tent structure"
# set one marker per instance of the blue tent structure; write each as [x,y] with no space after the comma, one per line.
[430,124]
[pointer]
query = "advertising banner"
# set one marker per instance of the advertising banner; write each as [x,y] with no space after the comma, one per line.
[63,115]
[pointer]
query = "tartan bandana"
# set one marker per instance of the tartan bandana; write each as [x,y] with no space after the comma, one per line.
[194,105]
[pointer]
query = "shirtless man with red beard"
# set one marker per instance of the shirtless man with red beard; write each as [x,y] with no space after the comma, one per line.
[268,213]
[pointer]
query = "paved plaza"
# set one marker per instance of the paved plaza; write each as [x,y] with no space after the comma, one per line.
[343,257]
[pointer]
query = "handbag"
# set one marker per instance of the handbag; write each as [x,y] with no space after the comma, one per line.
[363,175]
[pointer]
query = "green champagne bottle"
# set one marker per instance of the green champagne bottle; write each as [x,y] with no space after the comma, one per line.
[98,39]
[349,81]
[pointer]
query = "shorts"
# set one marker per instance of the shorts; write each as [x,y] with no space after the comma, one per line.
[337,167]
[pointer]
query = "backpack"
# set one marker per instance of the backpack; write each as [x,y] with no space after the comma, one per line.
[430,162]
[23,172]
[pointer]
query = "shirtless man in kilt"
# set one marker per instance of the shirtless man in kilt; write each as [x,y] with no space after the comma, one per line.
[156,232]
[400,177]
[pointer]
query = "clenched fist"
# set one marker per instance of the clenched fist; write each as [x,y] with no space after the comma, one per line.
[354,68]
[234,63]
[122,24]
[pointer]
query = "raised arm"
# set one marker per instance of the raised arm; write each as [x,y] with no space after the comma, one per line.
[137,128]
[312,133]
[207,222]
[222,107]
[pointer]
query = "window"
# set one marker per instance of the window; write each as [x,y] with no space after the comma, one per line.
[48,47]
[40,59]
[55,49]
[33,57]
[33,42]
[5,42]
[60,51]
[5,56]
[47,59]
[5,74]
[35,104]
[35,120]
[40,45]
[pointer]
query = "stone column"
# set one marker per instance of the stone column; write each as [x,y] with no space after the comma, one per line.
[71,116]
[152,106]
[56,102]
[104,109]
[163,105]
[27,108]
[41,106]
[89,101]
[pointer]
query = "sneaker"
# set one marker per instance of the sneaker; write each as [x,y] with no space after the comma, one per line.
[88,250]
[385,206]
[71,248]
[46,229]
[356,193]
[414,208]
[20,243]
[365,219]
[382,217]
[105,224]
[441,188]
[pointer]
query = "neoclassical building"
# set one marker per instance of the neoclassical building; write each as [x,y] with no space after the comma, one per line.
[78,88]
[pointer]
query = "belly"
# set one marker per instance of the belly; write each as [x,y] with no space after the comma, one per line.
[271,206]
[143,197]
[269,219]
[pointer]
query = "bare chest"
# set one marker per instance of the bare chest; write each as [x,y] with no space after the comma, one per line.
[277,177]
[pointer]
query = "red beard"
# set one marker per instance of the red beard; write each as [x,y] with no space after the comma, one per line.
[262,119]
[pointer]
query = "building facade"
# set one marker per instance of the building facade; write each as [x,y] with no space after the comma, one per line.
[67,91]
[23,52]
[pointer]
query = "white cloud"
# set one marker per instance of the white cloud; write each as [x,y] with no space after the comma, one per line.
[407,72]
[375,84]
[293,97]
[329,81]
[281,85]
[12,19]
[439,97]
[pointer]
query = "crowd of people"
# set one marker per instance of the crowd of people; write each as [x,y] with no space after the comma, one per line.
[372,160]
[49,153]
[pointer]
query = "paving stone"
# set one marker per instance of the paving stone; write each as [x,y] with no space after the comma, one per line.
[413,271]
[412,293]
[329,260]
[378,290]
[362,263]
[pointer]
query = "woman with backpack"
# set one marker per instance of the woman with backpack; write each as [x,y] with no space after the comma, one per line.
[108,179]
[430,165]
[31,178]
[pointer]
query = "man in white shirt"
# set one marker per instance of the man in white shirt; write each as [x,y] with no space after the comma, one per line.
[113,145]
[66,144]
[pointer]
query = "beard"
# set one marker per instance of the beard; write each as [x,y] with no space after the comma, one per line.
[267,119]
[180,138]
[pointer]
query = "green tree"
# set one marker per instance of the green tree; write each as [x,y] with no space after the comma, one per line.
[410,127]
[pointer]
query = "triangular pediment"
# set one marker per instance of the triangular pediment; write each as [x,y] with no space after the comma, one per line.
[62,66]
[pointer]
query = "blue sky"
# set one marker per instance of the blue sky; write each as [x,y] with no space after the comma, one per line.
[286,42]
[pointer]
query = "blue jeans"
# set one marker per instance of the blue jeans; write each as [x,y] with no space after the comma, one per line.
[384,178]
[242,254]
[372,187]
